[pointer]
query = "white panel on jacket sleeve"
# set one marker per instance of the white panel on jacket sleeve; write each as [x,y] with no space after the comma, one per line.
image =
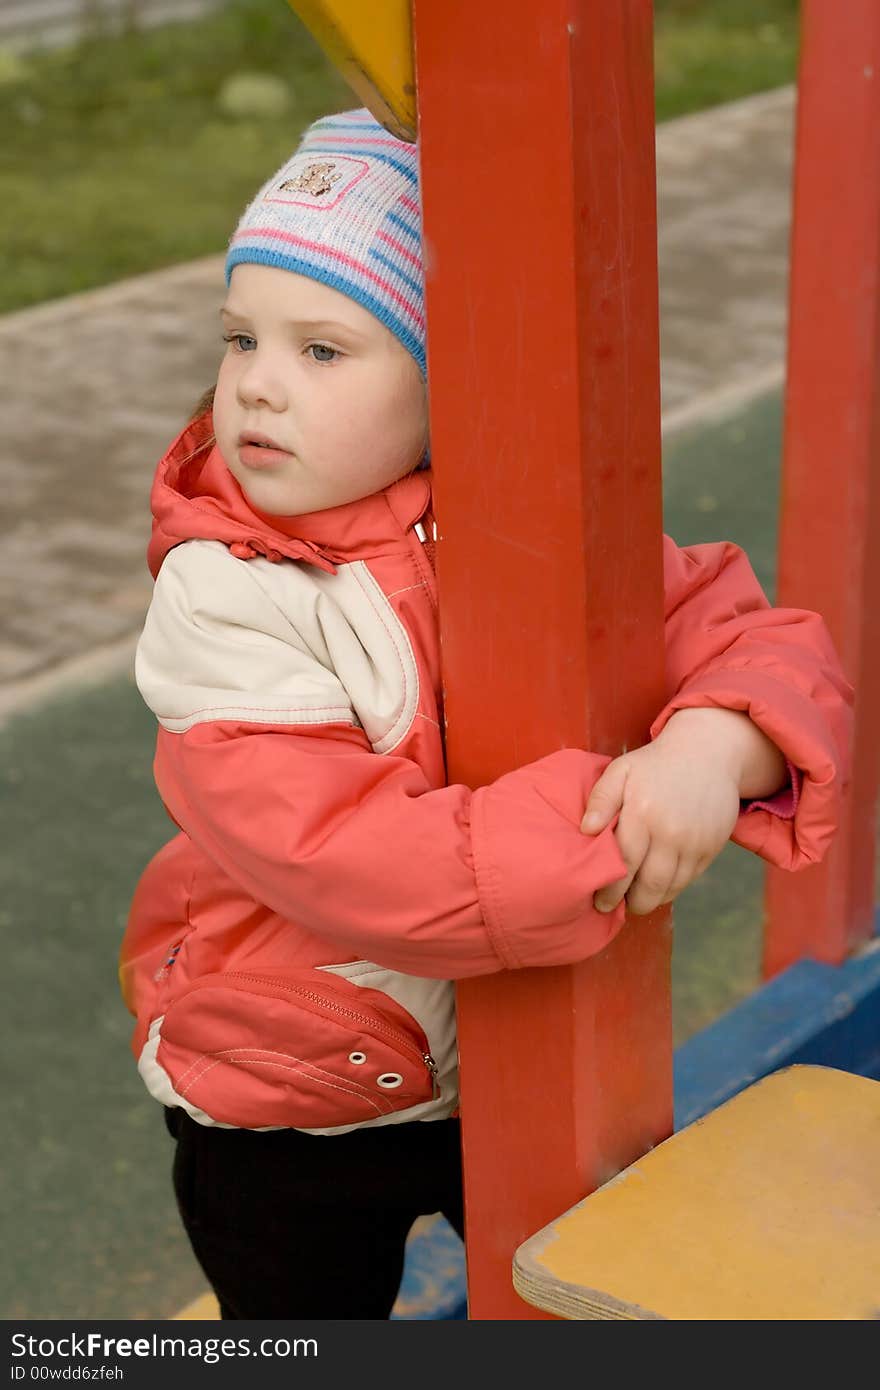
[351,628]
[254,641]
[215,646]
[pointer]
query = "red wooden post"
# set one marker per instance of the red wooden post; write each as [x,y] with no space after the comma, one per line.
[830,529]
[537,153]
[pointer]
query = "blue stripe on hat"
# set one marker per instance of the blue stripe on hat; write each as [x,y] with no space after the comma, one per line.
[329,123]
[314,270]
[413,231]
[411,284]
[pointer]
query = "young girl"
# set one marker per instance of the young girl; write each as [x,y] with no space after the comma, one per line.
[290,953]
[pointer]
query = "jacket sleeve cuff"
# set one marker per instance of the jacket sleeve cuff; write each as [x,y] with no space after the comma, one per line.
[794,828]
[783,803]
[536,871]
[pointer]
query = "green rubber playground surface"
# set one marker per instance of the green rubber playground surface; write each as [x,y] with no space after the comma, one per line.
[91,1228]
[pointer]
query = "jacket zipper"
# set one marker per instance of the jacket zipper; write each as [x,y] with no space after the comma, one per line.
[425,569]
[391,1032]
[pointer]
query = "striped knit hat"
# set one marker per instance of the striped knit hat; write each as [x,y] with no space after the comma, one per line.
[345,210]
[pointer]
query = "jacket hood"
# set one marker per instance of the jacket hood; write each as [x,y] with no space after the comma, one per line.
[195,497]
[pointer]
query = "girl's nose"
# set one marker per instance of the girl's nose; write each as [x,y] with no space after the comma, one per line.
[261,384]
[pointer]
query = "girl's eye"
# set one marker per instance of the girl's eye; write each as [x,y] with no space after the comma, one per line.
[321,352]
[243,342]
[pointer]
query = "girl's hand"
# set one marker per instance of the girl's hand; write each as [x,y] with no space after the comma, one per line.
[678,800]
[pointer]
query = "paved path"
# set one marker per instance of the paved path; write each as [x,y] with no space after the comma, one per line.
[724,205]
[51,23]
[98,384]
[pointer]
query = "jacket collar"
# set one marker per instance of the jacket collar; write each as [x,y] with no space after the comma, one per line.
[194,496]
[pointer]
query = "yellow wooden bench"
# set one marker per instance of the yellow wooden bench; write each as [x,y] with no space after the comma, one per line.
[767,1208]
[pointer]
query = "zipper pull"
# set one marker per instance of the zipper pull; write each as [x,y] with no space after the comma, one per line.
[432,1068]
[421,532]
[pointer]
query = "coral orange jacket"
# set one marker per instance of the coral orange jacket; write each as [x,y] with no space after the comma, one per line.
[289,954]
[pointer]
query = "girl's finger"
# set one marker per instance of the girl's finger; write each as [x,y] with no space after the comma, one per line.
[633,841]
[652,882]
[688,871]
[606,797]
[608,897]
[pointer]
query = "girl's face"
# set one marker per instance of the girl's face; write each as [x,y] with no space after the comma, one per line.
[317,403]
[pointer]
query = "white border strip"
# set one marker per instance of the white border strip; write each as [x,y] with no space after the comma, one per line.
[206,267]
[740,109]
[104,663]
[714,405]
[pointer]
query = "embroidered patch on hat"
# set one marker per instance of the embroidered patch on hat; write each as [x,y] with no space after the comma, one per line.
[324,182]
[315,178]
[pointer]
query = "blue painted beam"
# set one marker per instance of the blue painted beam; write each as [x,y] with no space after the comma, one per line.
[433,1285]
[827,1015]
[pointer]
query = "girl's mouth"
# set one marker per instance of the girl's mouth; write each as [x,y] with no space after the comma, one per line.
[258,451]
[259,456]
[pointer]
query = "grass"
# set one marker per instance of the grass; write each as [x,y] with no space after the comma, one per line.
[709,51]
[118,158]
[119,155]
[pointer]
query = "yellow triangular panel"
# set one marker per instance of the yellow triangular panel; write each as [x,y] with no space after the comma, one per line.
[370,41]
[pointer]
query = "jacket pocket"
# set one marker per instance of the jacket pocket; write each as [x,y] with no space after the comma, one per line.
[259,1049]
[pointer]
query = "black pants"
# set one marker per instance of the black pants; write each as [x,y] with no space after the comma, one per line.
[293,1225]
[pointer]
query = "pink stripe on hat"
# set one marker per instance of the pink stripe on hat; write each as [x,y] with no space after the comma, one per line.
[401,249]
[274,233]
